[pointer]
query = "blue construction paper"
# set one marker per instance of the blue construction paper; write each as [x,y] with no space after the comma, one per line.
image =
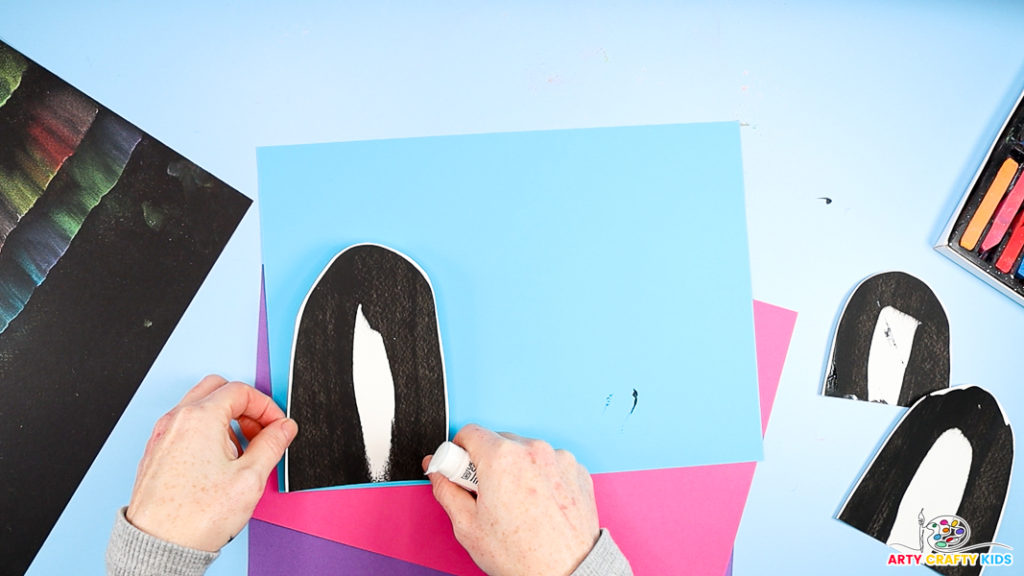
[571,269]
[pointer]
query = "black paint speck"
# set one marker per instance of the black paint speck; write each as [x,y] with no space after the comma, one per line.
[826,199]
[636,396]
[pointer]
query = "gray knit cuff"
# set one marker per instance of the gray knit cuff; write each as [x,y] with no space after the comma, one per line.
[132,552]
[605,559]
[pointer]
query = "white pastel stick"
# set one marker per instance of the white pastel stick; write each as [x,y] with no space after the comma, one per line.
[452,462]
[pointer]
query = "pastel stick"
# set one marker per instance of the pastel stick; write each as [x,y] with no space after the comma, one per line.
[1013,247]
[988,205]
[1008,208]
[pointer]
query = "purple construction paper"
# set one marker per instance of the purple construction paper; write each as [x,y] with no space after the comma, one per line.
[277,551]
[262,382]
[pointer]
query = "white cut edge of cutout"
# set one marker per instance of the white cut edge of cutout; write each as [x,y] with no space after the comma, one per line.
[842,313]
[298,319]
[888,437]
[889,354]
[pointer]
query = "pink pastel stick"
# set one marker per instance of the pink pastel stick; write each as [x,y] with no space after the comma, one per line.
[1013,247]
[1007,210]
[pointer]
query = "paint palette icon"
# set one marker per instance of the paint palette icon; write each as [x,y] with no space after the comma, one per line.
[947,533]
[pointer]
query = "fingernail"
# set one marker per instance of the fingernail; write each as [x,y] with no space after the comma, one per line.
[290,427]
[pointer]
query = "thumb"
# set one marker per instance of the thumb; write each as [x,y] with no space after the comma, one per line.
[267,447]
[456,501]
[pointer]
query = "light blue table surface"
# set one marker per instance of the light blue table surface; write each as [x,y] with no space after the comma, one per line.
[885,107]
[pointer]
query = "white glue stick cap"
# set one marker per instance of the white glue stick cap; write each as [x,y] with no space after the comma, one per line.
[452,462]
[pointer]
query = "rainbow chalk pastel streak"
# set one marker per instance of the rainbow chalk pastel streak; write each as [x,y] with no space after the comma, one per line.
[12,66]
[43,236]
[38,137]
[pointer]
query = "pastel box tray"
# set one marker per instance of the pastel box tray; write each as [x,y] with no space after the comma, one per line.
[986,233]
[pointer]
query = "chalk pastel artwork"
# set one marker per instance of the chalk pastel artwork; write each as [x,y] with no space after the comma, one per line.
[948,460]
[891,344]
[643,509]
[105,237]
[367,373]
[574,269]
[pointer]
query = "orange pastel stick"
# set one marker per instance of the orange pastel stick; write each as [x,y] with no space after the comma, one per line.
[988,204]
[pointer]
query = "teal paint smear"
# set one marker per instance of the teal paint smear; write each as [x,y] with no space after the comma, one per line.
[40,135]
[36,245]
[12,66]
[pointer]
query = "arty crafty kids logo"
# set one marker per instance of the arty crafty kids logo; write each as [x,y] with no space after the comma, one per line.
[945,541]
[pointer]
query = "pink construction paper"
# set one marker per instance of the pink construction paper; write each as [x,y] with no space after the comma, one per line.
[277,551]
[661,519]
[773,327]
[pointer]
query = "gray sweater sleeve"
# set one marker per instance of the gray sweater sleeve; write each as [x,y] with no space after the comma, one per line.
[132,552]
[605,559]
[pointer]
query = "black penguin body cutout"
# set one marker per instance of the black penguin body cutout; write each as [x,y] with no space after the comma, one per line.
[928,367]
[873,505]
[395,298]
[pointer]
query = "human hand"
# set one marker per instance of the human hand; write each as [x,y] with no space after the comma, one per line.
[534,512]
[195,486]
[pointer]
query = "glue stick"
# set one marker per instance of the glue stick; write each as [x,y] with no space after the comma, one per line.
[453,463]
